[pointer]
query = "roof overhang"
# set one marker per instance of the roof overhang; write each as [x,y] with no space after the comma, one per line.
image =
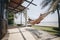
[16,5]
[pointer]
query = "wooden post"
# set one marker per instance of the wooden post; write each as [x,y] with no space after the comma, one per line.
[21,18]
[25,15]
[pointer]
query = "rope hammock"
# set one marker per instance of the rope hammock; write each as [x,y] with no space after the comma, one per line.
[38,20]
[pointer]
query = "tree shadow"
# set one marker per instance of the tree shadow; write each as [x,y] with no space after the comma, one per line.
[51,38]
[58,31]
[6,37]
[55,30]
[34,32]
[37,33]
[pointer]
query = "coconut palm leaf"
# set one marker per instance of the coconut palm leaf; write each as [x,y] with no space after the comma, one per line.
[47,2]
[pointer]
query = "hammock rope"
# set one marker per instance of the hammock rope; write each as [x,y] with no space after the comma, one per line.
[38,20]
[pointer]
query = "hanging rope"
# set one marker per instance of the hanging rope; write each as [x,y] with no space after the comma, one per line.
[29,19]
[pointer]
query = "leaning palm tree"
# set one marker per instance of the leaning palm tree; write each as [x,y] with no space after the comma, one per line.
[3,25]
[54,6]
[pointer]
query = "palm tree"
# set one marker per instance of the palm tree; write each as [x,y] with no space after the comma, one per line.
[54,6]
[2,7]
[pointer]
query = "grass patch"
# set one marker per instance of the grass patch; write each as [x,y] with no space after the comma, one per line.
[48,29]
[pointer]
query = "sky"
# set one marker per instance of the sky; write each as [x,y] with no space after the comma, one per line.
[34,11]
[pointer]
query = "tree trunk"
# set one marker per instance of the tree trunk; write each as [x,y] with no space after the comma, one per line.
[1,17]
[2,21]
[58,17]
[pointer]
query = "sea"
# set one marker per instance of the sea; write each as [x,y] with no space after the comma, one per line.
[54,24]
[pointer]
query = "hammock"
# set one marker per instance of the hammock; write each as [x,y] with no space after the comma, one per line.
[38,20]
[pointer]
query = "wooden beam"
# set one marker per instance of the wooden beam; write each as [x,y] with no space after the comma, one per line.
[30,2]
[17,5]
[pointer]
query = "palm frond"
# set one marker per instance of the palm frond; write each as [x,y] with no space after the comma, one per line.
[47,2]
[53,4]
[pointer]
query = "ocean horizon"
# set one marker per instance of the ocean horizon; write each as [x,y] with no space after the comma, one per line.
[55,24]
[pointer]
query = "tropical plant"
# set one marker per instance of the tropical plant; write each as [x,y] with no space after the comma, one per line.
[54,6]
[10,18]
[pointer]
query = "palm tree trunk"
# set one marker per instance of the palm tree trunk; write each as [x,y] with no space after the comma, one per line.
[1,17]
[2,22]
[58,17]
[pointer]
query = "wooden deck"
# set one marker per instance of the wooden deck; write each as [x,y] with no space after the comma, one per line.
[28,33]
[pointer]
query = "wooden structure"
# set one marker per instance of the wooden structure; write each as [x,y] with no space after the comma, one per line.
[14,6]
